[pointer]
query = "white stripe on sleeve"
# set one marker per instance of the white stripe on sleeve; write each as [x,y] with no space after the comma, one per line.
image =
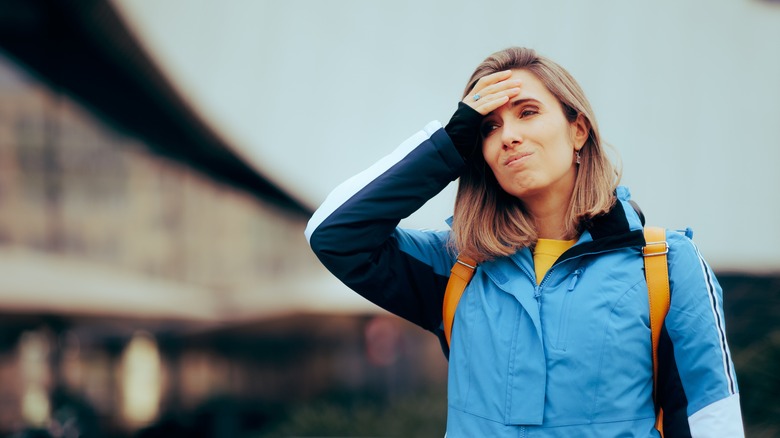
[350,187]
[719,324]
[722,419]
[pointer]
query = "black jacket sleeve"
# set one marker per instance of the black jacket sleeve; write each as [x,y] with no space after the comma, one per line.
[354,233]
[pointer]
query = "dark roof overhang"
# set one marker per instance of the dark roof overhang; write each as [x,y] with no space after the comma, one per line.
[83,48]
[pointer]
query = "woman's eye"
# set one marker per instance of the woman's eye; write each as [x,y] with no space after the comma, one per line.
[487,128]
[528,112]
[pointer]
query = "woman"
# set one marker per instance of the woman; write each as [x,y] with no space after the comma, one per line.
[551,336]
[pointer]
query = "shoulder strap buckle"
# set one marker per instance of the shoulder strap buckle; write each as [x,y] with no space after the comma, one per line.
[652,249]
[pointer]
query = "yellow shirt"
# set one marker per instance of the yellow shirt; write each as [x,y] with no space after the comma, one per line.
[546,253]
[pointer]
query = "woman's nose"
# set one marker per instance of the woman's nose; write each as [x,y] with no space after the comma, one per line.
[511,136]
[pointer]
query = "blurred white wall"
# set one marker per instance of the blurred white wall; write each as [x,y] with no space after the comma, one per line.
[312,92]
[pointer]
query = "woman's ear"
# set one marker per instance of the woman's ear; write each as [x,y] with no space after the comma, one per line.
[580,129]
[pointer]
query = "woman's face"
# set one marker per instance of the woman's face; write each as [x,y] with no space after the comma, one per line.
[529,145]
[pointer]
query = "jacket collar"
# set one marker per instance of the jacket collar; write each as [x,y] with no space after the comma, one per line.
[620,227]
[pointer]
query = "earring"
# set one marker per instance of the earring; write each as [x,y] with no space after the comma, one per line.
[577,155]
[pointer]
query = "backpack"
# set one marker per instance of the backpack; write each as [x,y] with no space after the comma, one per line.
[656,274]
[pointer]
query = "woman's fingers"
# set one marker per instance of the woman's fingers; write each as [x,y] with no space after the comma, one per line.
[492,79]
[492,91]
[485,105]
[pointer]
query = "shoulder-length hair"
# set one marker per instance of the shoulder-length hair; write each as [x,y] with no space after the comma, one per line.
[490,223]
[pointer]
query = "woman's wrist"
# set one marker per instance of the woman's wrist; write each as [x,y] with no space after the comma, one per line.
[463,129]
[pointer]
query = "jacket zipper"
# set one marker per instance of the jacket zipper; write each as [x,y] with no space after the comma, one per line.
[572,283]
[537,287]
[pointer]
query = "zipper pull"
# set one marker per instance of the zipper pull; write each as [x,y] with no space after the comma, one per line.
[574,279]
[537,292]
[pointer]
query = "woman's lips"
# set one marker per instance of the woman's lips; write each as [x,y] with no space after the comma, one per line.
[516,158]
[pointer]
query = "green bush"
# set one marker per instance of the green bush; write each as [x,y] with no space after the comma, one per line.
[422,415]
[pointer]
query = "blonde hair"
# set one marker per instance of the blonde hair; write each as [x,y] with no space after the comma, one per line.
[490,223]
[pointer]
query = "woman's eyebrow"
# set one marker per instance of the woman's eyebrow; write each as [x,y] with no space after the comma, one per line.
[518,102]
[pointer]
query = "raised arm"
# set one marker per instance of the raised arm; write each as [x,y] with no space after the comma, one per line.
[354,233]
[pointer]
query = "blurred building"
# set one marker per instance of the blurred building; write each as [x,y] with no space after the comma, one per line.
[153,284]
[148,276]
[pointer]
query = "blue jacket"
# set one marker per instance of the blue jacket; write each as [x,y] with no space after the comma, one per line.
[570,357]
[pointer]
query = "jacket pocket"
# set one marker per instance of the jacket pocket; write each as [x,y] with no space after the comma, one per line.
[486,327]
[559,340]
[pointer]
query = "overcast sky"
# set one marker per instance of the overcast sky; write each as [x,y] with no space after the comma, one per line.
[311,92]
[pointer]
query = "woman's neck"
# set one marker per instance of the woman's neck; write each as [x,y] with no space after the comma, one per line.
[550,215]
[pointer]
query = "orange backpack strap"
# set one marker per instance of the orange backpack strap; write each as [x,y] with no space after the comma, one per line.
[657,276]
[460,275]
